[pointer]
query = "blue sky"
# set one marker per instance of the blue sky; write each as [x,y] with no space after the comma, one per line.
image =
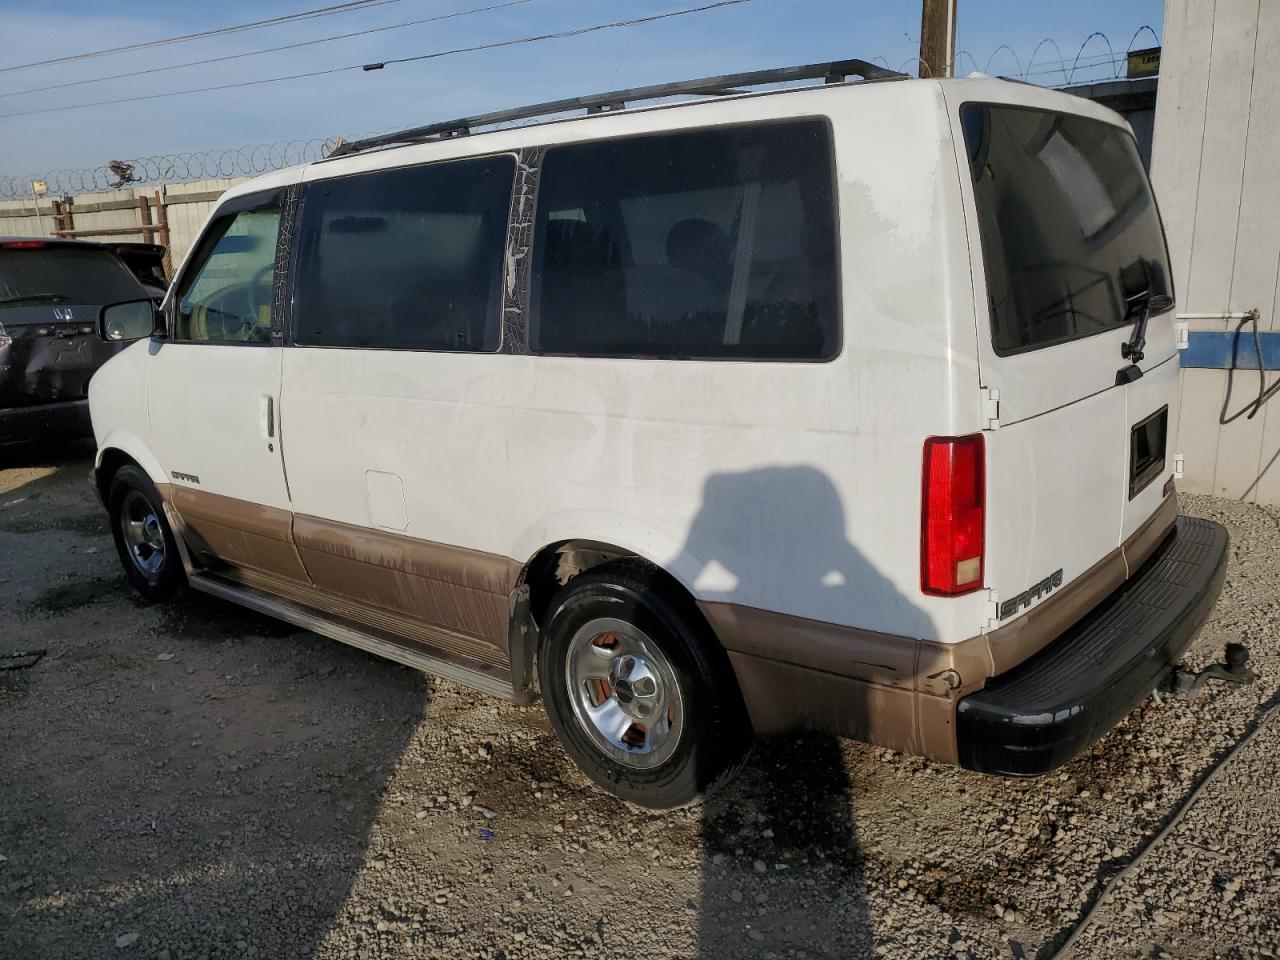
[756,34]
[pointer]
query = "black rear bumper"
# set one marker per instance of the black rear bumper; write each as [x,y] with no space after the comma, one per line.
[1043,712]
[68,420]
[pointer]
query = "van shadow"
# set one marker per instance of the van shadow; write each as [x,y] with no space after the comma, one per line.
[782,873]
[187,780]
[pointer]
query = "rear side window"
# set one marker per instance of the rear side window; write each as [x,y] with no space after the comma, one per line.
[716,243]
[408,258]
[1070,231]
[74,275]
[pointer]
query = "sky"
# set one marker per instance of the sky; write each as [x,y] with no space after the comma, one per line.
[748,36]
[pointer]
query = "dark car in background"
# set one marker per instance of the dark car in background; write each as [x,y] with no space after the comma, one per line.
[146,262]
[50,294]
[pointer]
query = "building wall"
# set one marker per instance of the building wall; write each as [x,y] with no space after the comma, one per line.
[1216,169]
[1135,100]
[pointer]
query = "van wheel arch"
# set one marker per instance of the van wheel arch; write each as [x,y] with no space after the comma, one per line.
[552,568]
[556,564]
[112,459]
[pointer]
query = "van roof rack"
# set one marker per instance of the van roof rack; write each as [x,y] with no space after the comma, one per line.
[725,85]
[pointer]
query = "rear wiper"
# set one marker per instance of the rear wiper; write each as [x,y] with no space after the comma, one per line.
[1136,284]
[34,298]
[1142,306]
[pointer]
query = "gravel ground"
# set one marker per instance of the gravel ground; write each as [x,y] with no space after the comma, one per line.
[196,781]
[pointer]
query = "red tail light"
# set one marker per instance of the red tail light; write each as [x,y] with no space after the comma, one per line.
[22,244]
[952,515]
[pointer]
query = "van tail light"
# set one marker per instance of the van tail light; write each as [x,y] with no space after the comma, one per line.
[953,515]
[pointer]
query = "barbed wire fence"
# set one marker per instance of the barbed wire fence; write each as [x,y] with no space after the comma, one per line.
[247,160]
[253,159]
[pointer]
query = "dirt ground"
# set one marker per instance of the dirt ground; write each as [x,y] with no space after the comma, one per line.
[196,781]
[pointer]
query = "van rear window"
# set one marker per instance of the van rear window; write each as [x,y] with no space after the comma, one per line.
[1070,231]
[715,243]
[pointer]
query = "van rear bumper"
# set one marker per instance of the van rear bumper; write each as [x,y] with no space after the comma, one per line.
[1046,710]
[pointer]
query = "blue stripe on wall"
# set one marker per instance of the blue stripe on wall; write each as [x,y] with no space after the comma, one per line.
[1216,350]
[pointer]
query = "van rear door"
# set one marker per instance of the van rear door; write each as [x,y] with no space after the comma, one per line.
[1072,257]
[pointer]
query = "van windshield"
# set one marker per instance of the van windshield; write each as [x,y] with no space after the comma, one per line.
[1070,233]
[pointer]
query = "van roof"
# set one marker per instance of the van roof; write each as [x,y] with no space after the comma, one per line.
[727,87]
[727,84]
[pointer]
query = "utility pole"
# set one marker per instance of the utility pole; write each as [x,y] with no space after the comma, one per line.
[938,38]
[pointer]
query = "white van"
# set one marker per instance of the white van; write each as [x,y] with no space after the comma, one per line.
[843,406]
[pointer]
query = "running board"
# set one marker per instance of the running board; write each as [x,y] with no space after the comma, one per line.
[307,619]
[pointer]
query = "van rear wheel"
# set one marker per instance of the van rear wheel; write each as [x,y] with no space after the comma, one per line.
[638,692]
[143,538]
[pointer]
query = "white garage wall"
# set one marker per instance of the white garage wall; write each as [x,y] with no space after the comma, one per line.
[1217,176]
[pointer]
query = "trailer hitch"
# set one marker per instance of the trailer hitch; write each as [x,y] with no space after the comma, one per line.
[1182,682]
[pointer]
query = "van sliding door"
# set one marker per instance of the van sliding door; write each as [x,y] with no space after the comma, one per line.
[397,301]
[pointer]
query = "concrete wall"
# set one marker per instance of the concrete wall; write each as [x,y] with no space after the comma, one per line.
[1216,168]
[187,205]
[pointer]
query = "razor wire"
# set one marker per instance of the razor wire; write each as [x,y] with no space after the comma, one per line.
[253,159]
[243,161]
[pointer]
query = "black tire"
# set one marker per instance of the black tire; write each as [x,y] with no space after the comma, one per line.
[715,734]
[130,489]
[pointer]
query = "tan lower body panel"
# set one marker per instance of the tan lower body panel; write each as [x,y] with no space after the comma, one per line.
[805,674]
[903,720]
[463,591]
[433,640]
[448,599]
[901,692]
[242,534]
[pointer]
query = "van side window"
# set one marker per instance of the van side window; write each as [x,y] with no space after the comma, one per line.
[225,295]
[1070,232]
[716,243]
[408,258]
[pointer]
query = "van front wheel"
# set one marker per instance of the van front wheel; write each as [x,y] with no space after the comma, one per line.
[638,693]
[142,536]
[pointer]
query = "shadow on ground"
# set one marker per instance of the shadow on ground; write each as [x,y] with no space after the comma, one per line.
[195,780]
[781,865]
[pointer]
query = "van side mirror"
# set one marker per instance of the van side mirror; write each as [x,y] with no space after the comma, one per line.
[131,320]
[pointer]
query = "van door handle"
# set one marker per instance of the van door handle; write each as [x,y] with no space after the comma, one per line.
[267,417]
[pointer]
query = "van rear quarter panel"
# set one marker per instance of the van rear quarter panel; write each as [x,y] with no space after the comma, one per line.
[790,487]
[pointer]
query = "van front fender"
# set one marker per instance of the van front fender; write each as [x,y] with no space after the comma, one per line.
[129,444]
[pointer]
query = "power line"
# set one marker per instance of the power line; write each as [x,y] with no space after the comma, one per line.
[559,35]
[562,35]
[255,53]
[347,7]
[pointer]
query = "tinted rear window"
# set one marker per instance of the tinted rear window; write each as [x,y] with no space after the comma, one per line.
[408,258]
[1070,232]
[716,243]
[75,275]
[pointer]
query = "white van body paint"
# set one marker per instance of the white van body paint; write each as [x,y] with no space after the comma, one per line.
[507,454]
[789,487]
[118,407]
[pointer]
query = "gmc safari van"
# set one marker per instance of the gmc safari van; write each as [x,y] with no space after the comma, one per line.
[843,406]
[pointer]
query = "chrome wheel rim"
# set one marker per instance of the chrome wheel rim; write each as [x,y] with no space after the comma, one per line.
[143,533]
[624,692]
